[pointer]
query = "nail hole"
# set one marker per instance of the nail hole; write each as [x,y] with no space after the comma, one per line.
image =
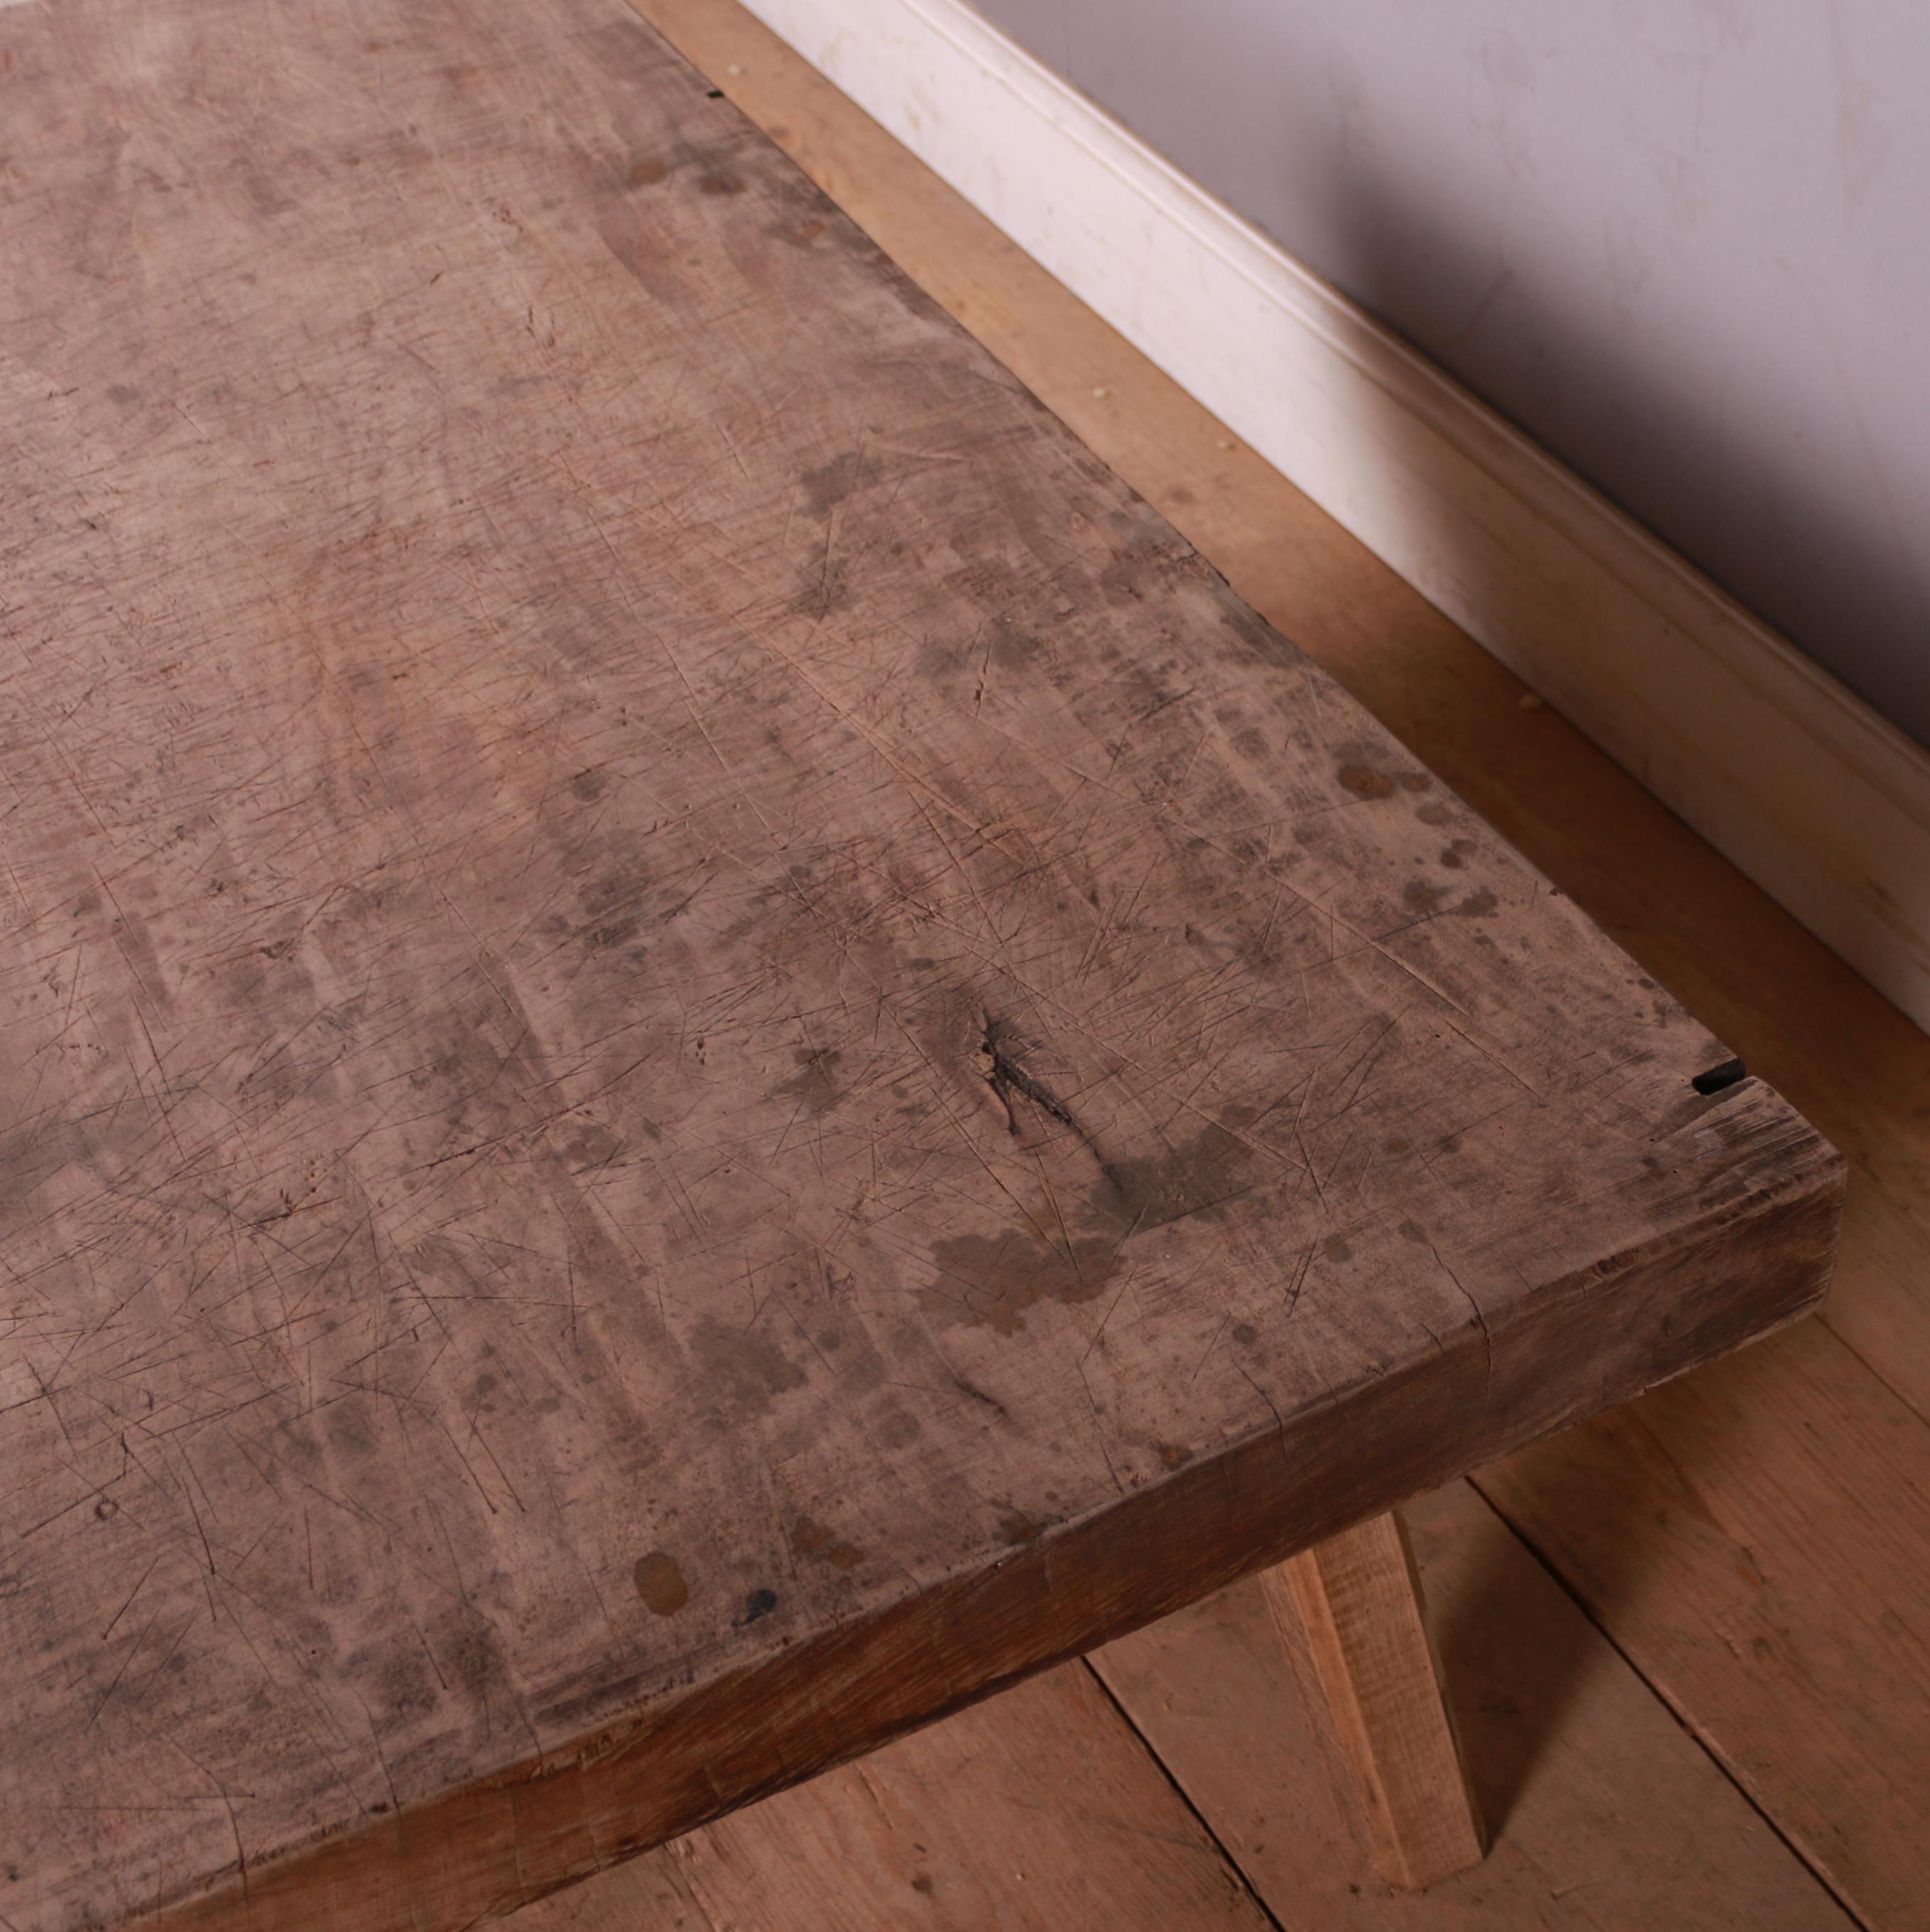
[1717,1078]
[716,94]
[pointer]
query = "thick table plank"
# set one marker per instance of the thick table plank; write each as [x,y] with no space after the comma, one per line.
[704,1050]
[1797,1014]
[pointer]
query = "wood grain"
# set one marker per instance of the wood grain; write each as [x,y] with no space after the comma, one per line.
[1605,1813]
[1801,782]
[1763,1553]
[1351,1606]
[1040,1811]
[1810,1741]
[1040,1808]
[709,1052]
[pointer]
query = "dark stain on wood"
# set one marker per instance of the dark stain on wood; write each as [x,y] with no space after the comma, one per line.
[591,1147]
[801,236]
[1199,1175]
[1364,781]
[827,484]
[992,1280]
[743,1369]
[660,1583]
[809,1537]
[812,1086]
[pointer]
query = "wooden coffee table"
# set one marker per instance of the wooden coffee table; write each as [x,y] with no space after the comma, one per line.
[704,1052]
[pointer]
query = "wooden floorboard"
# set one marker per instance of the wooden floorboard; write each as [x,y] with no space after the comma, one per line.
[1755,1538]
[1039,1811]
[1605,1813]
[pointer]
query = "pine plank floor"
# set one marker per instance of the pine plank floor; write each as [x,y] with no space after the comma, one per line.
[1690,1643]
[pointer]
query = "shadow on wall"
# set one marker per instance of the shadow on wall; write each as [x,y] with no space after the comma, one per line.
[1681,245]
[1716,482]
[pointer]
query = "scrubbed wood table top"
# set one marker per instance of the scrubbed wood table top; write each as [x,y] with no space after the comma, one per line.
[702,1050]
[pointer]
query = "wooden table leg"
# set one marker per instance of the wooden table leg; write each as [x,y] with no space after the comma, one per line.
[1349,1611]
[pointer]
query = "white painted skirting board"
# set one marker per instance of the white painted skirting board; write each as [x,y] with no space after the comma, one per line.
[1799,783]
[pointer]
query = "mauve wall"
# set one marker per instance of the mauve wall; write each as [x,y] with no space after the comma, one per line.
[1684,243]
